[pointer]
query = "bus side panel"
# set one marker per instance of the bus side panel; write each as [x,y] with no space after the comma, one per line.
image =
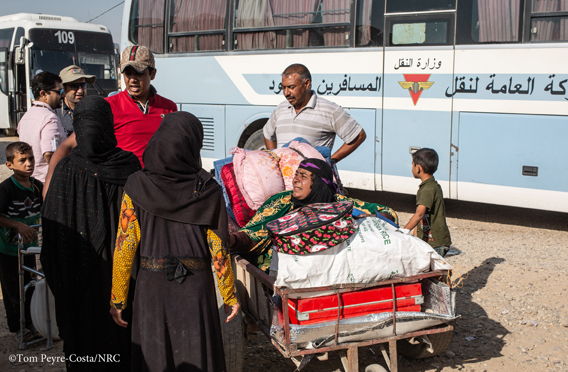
[357,170]
[213,119]
[416,114]
[378,149]
[494,148]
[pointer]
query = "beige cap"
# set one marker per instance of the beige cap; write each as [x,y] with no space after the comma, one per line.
[137,56]
[72,73]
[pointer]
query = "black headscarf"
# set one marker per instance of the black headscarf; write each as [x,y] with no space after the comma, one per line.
[96,150]
[323,189]
[172,184]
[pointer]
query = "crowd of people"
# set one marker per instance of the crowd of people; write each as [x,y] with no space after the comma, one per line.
[130,216]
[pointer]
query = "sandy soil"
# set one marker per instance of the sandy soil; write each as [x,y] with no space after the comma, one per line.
[514,302]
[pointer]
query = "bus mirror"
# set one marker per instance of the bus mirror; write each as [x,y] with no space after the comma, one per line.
[20,53]
[19,56]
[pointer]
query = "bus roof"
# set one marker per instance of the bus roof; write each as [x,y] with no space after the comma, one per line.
[49,21]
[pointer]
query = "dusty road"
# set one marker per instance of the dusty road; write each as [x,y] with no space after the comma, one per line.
[514,302]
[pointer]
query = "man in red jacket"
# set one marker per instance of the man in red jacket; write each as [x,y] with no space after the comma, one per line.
[138,110]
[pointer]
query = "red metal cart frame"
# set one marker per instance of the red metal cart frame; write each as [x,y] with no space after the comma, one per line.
[257,307]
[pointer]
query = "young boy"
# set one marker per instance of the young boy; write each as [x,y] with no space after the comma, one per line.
[20,204]
[430,213]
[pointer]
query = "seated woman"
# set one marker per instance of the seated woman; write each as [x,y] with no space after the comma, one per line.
[313,183]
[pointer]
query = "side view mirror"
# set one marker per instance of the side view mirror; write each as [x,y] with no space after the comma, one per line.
[20,53]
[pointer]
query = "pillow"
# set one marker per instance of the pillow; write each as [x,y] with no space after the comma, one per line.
[258,175]
[291,157]
[241,210]
[323,150]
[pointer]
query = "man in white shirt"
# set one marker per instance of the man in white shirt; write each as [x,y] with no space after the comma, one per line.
[40,127]
[307,115]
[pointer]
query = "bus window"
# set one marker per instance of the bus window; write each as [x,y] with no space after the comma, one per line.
[6,37]
[370,23]
[488,21]
[410,6]
[275,24]
[100,65]
[197,25]
[431,30]
[147,24]
[549,20]
[4,70]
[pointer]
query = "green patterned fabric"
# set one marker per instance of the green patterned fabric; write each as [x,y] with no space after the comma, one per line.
[277,206]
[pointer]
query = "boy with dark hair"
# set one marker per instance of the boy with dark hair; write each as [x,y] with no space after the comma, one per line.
[430,213]
[20,204]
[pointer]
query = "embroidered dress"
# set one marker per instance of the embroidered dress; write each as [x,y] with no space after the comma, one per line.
[277,206]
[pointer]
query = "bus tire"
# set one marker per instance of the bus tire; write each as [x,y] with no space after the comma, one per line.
[256,141]
[440,342]
[233,337]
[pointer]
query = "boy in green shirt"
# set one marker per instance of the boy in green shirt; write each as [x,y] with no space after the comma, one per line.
[430,213]
[20,204]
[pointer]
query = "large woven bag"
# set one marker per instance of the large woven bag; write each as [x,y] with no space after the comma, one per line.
[313,228]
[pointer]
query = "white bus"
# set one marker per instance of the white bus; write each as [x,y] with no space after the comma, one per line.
[484,82]
[32,43]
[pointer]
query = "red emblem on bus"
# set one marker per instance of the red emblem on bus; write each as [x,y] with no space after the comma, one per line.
[416,84]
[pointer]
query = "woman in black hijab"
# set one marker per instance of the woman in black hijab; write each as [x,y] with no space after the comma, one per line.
[79,217]
[174,212]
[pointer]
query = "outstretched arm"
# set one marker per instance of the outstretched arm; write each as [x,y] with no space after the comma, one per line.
[420,212]
[127,242]
[225,276]
[62,151]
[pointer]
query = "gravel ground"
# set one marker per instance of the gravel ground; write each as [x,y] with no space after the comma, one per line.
[514,302]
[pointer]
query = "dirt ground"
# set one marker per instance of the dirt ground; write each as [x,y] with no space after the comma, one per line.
[513,305]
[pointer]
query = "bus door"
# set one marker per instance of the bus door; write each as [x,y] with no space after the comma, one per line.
[417,103]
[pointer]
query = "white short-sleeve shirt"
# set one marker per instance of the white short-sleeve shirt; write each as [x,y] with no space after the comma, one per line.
[318,122]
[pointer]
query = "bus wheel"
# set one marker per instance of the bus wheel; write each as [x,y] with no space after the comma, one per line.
[255,141]
[9,132]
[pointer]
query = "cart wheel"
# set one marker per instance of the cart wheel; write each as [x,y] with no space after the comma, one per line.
[440,342]
[233,338]
[375,368]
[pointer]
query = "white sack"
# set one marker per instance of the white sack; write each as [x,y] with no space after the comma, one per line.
[377,251]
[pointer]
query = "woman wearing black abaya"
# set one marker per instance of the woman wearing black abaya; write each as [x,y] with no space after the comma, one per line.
[79,216]
[174,212]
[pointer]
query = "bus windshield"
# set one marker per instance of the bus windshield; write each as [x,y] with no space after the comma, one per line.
[54,50]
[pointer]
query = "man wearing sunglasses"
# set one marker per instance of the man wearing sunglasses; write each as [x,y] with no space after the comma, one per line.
[40,127]
[75,83]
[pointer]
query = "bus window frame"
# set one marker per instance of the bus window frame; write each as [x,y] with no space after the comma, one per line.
[4,80]
[464,18]
[418,18]
[351,24]
[530,15]
[168,33]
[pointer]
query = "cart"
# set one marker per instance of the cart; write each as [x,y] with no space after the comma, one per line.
[24,288]
[253,287]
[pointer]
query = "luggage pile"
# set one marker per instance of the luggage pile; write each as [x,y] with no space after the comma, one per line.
[249,178]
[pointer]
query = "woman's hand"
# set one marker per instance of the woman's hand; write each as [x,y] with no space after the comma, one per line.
[234,311]
[117,317]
